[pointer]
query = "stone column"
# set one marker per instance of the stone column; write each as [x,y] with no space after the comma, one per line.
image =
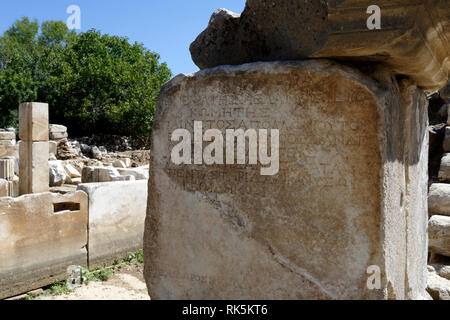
[33,148]
[343,217]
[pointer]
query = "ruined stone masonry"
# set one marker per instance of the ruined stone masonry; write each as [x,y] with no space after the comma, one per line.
[43,234]
[413,39]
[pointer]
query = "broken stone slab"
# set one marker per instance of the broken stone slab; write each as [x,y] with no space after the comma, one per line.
[139,173]
[6,135]
[444,169]
[33,167]
[119,164]
[96,153]
[57,172]
[8,151]
[7,168]
[338,206]
[439,199]
[73,181]
[439,235]
[71,171]
[42,235]
[438,287]
[116,219]
[57,128]
[33,122]
[53,147]
[104,174]
[293,30]
[440,269]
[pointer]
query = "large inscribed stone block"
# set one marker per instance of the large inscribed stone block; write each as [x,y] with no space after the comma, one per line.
[33,121]
[33,167]
[338,211]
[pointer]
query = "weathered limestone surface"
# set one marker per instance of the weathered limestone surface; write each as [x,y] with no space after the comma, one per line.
[350,192]
[7,168]
[57,132]
[33,121]
[439,199]
[413,40]
[415,113]
[4,188]
[7,135]
[40,236]
[444,168]
[438,287]
[33,167]
[110,174]
[116,219]
[439,235]
[8,151]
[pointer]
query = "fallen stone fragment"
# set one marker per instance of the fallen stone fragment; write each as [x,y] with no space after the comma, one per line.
[57,132]
[444,272]
[439,235]
[140,173]
[119,164]
[292,30]
[71,171]
[439,199]
[53,147]
[438,287]
[444,169]
[57,172]
[96,153]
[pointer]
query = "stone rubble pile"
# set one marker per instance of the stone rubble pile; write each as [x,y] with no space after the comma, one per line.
[72,162]
[439,207]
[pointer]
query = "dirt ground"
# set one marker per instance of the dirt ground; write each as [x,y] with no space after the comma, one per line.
[125,284]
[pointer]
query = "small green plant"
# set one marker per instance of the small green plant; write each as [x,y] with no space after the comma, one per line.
[98,274]
[57,288]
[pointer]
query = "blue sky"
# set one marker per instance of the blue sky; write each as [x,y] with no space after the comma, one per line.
[166,27]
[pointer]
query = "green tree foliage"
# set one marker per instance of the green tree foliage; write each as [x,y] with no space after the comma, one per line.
[93,83]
